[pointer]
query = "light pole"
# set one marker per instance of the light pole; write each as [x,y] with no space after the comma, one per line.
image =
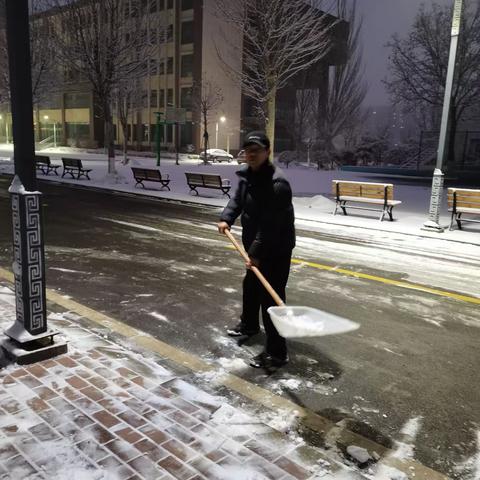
[223,120]
[29,338]
[6,127]
[432,223]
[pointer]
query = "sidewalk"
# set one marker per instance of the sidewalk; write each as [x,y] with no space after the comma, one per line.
[104,412]
[311,190]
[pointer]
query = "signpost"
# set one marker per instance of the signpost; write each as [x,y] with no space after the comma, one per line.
[438,177]
[176,116]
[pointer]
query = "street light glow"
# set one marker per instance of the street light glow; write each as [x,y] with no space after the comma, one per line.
[45,117]
[223,119]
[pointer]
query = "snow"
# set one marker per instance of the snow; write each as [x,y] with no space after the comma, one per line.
[159,316]
[17,187]
[310,188]
[359,454]
[295,322]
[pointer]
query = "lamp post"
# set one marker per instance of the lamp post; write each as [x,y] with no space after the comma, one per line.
[432,223]
[223,120]
[29,338]
[6,127]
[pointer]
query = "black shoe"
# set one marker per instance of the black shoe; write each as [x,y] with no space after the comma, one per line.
[263,360]
[240,331]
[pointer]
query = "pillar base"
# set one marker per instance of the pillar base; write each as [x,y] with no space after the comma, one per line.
[24,348]
[431,226]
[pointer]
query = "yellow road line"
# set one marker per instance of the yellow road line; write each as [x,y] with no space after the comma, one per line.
[388,281]
[413,469]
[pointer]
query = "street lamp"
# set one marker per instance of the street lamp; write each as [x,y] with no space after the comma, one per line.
[223,120]
[432,223]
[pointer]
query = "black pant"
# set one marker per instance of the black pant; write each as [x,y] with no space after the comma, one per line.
[276,271]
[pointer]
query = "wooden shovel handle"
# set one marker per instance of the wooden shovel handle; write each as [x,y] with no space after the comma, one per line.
[255,270]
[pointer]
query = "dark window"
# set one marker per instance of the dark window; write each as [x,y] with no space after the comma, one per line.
[153,99]
[145,5]
[170,97]
[187,32]
[153,36]
[145,132]
[170,65]
[186,134]
[153,66]
[153,6]
[169,133]
[169,4]
[161,4]
[77,100]
[162,98]
[186,98]
[187,66]
[144,98]
[187,4]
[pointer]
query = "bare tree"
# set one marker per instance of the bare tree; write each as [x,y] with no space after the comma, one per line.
[103,42]
[346,90]
[281,38]
[418,66]
[206,98]
[44,72]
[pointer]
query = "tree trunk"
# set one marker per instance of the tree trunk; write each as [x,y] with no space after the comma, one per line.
[109,140]
[205,137]
[271,105]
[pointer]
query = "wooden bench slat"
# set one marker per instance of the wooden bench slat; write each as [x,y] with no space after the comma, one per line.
[463,201]
[205,180]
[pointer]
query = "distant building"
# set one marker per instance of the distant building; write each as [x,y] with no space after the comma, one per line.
[186,34]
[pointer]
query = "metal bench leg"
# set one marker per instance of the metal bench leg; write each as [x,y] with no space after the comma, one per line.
[336,208]
[390,213]
[139,182]
[193,189]
[382,216]
[343,207]
[452,219]
[225,192]
[459,220]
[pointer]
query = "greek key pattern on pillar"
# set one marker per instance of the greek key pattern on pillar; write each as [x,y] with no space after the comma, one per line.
[29,268]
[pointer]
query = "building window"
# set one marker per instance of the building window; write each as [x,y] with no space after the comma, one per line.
[169,133]
[187,32]
[153,99]
[187,4]
[161,4]
[187,66]
[153,36]
[186,98]
[153,6]
[161,70]
[170,97]
[144,98]
[77,100]
[166,34]
[145,132]
[186,134]
[153,66]
[169,4]
[162,98]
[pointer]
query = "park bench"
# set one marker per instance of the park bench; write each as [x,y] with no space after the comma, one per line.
[371,194]
[73,166]
[196,180]
[149,175]
[44,164]
[462,201]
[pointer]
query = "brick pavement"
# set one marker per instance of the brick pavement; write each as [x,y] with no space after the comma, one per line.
[104,412]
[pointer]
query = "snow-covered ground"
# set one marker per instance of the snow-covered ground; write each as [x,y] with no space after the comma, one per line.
[311,188]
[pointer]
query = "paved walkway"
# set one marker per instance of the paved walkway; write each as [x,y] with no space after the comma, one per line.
[104,412]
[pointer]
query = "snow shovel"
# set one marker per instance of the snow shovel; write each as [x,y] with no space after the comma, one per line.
[295,321]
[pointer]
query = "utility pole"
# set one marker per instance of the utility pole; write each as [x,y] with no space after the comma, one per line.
[29,338]
[432,223]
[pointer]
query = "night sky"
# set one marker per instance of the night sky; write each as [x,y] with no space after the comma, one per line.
[382,18]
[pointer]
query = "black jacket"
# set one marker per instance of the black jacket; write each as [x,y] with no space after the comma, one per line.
[264,199]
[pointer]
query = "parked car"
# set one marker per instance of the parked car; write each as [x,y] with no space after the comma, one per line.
[241,157]
[216,155]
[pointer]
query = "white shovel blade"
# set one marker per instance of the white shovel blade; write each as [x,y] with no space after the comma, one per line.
[297,322]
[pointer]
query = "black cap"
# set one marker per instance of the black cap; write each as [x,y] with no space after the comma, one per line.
[257,138]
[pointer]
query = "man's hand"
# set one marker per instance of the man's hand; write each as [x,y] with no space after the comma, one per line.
[253,262]
[222,226]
